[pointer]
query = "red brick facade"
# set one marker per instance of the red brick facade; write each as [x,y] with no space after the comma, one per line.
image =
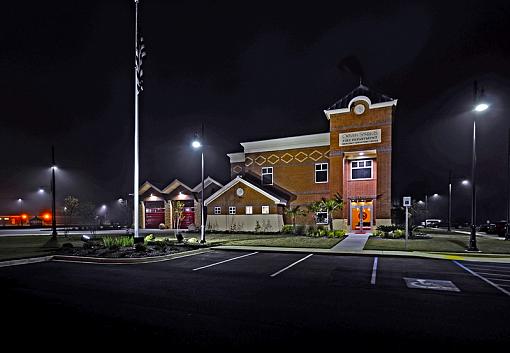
[360,134]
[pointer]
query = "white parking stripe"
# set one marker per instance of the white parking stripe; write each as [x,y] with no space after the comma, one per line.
[222,262]
[493,274]
[482,278]
[374,270]
[291,265]
[499,279]
[491,268]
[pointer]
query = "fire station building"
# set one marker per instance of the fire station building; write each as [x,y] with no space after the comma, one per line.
[352,159]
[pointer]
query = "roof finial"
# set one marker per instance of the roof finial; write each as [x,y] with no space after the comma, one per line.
[361,80]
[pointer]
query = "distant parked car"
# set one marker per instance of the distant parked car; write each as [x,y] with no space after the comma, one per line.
[432,223]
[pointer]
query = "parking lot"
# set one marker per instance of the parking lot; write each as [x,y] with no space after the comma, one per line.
[251,299]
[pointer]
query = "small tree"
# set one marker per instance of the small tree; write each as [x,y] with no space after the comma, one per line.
[293,212]
[71,205]
[178,211]
[329,206]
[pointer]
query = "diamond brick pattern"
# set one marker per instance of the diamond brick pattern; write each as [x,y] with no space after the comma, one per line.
[273,159]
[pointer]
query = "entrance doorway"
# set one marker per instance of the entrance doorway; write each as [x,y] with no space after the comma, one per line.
[365,210]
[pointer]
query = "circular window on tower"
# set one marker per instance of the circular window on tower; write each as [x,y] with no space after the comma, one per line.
[359,109]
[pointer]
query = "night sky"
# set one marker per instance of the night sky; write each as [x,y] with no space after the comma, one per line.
[248,71]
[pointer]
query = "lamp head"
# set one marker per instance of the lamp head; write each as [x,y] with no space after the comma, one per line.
[196,144]
[481,107]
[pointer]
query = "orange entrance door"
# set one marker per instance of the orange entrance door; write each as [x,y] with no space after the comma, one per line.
[367,217]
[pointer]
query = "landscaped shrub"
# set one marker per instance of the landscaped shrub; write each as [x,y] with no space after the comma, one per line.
[149,238]
[179,237]
[311,231]
[378,233]
[399,233]
[287,229]
[116,242]
[389,228]
[339,233]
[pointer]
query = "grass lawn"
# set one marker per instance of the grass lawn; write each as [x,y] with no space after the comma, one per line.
[277,240]
[441,242]
[23,246]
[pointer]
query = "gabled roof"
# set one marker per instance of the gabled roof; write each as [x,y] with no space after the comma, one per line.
[238,180]
[174,185]
[371,97]
[207,181]
[146,186]
[361,90]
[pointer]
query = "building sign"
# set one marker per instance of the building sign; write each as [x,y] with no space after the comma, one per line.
[360,137]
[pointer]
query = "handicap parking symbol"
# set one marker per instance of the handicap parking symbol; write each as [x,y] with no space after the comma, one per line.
[433,284]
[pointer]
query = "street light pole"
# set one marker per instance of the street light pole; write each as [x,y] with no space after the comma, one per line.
[53,193]
[426,209]
[199,143]
[479,107]
[450,201]
[507,233]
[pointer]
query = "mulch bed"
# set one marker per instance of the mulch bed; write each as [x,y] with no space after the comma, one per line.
[127,252]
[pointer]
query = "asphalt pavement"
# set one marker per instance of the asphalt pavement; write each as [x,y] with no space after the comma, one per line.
[254,300]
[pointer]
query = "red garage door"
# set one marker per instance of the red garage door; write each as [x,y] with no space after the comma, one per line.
[154,213]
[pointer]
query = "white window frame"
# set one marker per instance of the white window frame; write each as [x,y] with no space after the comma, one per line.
[217,210]
[268,171]
[317,218]
[232,210]
[364,162]
[322,170]
[248,210]
[266,208]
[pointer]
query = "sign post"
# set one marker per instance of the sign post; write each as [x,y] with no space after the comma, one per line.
[407,204]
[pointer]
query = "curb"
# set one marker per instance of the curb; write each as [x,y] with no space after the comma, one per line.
[126,261]
[410,254]
[31,260]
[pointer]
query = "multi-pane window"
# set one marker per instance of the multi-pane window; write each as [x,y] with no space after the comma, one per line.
[267,175]
[249,210]
[217,210]
[361,169]
[265,209]
[231,210]
[321,173]
[321,217]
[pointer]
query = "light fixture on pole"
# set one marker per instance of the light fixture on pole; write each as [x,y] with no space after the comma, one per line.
[20,202]
[196,144]
[53,195]
[479,107]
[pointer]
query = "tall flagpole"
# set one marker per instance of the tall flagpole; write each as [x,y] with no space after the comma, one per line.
[135,179]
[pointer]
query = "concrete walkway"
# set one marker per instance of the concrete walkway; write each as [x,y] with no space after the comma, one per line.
[353,242]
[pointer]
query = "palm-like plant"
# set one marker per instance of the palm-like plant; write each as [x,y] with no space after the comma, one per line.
[328,205]
[293,212]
